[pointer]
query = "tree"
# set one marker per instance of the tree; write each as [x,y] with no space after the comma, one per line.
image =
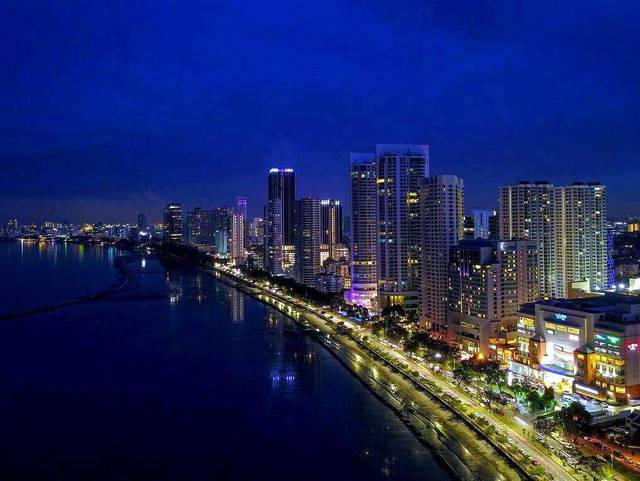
[494,375]
[462,374]
[575,419]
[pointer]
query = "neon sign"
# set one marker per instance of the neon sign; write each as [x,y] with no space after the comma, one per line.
[633,346]
[560,317]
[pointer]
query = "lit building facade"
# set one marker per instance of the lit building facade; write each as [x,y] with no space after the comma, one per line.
[331,226]
[590,345]
[400,170]
[307,240]
[527,211]
[237,247]
[279,218]
[581,243]
[488,281]
[364,232]
[173,223]
[441,212]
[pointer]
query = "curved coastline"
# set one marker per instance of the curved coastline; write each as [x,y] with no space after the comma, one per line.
[124,280]
[425,429]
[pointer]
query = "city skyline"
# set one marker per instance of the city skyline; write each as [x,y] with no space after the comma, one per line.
[499,99]
[404,238]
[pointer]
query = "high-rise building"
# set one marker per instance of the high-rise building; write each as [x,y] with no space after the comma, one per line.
[400,169]
[469,227]
[195,226]
[142,222]
[488,281]
[581,243]
[221,225]
[493,225]
[256,231]
[364,230]
[241,209]
[527,211]
[307,240]
[173,223]
[279,223]
[331,226]
[481,223]
[441,212]
[237,248]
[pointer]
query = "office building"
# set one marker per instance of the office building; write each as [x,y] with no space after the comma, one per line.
[527,212]
[581,242]
[307,240]
[173,223]
[400,169]
[364,231]
[488,281]
[441,213]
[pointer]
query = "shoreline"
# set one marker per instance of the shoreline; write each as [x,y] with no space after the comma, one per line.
[123,277]
[418,431]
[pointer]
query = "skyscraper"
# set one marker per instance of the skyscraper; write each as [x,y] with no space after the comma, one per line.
[364,231]
[173,223]
[581,243]
[488,281]
[527,211]
[195,226]
[237,248]
[441,213]
[331,226]
[221,224]
[142,222]
[279,209]
[256,231]
[241,209]
[481,223]
[307,240]
[400,169]
[273,235]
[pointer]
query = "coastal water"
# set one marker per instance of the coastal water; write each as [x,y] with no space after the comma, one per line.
[177,376]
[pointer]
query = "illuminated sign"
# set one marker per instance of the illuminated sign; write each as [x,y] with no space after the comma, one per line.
[633,346]
[560,317]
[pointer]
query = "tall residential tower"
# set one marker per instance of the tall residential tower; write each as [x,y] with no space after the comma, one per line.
[364,241]
[441,213]
[526,212]
[400,170]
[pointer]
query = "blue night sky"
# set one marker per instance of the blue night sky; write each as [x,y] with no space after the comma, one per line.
[109,108]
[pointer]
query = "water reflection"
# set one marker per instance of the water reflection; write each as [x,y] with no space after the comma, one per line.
[237,306]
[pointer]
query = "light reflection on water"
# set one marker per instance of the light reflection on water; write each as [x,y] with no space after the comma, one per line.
[194,390]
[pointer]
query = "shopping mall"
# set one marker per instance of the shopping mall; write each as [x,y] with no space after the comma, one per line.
[590,346]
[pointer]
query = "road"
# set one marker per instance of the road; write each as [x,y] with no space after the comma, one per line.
[552,465]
